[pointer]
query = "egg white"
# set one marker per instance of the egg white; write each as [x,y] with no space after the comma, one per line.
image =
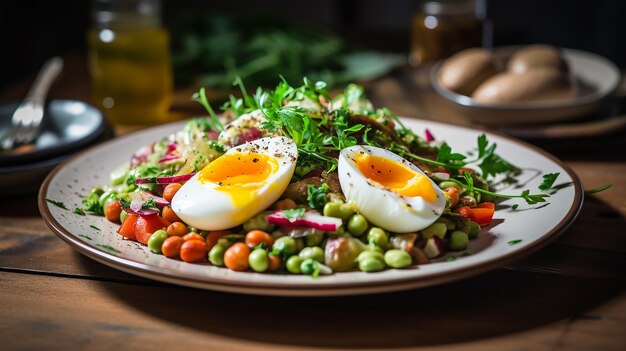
[382,206]
[212,206]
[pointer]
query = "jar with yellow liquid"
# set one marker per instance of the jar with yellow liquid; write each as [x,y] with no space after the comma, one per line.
[129,62]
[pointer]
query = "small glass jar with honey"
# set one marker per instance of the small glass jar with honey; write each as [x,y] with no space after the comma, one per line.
[442,28]
[129,62]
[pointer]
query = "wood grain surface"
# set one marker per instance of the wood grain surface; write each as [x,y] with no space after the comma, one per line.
[568,296]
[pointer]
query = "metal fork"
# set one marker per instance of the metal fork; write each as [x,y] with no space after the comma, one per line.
[26,120]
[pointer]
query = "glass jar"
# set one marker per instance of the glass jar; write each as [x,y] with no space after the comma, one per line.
[129,62]
[442,28]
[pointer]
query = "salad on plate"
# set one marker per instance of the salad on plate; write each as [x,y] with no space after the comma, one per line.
[294,180]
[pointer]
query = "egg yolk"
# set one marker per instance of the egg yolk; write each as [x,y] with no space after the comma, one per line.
[239,174]
[395,176]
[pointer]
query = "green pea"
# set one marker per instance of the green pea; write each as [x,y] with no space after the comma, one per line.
[314,252]
[106,197]
[293,264]
[345,211]
[449,184]
[119,174]
[473,229]
[331,209]
[357,224]
[371,265]
[286,244]
[314,239]
[123,216]
[309,266]
[378,237]
[258,260]
[216,254]
[450,225]
[438,229]
[398,258]
[373,254]
[458,241]
[156,240]
[258,222]
[300,244]
[373,247]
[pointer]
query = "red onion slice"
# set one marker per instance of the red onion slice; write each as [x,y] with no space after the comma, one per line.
[169,158]
[429,136]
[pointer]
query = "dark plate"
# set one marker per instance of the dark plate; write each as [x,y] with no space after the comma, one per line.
[68,125]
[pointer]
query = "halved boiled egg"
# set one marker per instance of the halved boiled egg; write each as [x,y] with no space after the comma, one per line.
[238,185]
[390,191]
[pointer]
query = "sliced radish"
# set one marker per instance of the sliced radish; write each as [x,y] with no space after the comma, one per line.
[309,219]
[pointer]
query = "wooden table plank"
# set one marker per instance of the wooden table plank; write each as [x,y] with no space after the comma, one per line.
[494,311]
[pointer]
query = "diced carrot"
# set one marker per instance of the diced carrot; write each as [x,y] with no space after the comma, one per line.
[127,229]
[146,225]
[481,214]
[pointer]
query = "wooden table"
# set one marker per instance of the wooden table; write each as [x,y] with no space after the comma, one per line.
[568,296]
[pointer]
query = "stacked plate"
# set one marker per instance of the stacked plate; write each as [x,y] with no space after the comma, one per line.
[69,126]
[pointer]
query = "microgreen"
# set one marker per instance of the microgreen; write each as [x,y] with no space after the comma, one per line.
[293,214]
[200,97]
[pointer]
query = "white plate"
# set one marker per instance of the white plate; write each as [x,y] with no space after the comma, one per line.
[597,77]
[534,226]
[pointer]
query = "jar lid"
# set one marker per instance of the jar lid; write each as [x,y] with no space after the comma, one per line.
[450,7]
[146,12]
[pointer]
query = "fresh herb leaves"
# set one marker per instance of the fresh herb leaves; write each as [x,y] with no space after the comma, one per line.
[316,196]
[548,181]
[57,203]
[513,242]
[94,227]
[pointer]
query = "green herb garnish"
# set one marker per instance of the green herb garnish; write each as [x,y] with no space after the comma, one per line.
[514,207]
[316,196]
[94,227]
[57,203]
[85,236]
[79,211]
[513,242]
[599,189]
[548,181]
[109,248]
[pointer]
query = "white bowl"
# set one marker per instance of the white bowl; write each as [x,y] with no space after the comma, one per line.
[597,77]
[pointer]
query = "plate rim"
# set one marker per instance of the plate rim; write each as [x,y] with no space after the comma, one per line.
[308,289]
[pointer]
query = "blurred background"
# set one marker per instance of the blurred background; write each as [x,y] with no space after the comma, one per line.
[35,30]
